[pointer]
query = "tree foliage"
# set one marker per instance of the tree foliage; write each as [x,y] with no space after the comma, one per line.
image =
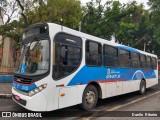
[131,24]
[66,12]
[155,18]
[92,19]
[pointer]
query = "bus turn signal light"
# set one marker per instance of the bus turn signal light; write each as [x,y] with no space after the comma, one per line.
[62,94]
[37,90]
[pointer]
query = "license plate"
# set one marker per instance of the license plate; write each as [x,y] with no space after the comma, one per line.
[17,97]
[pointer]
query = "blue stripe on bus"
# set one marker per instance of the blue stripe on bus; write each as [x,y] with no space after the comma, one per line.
[23,87]
[88,74]
[128,48]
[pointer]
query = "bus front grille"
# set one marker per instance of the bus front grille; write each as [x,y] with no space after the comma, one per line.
[23,80]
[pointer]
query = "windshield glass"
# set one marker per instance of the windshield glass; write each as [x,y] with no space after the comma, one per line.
[34,59]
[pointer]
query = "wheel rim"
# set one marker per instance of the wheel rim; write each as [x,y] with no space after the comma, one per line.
[90,97]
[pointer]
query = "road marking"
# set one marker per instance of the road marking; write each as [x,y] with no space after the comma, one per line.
[132,102]
[121,106]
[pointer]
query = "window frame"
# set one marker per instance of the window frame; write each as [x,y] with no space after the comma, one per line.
[104,55]
[139,66]
[120,58]
[97,54]
[143,61]
[147,62]
[152,67]
[54,54]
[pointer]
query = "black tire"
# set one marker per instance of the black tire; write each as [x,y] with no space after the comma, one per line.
[142,88]
[90,98]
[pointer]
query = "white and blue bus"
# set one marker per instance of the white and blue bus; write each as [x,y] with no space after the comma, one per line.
[60,67]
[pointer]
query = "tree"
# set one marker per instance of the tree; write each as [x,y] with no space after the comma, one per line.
[155,18]
[129,23]
[102,20]
[65,12]
[68,13]
[112,17]
[92,18]
[132,28]
[8,11]
[9,8]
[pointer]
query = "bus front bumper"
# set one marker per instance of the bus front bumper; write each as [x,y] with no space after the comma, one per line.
[37,102]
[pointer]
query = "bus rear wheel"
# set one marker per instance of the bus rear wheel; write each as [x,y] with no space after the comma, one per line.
[90,98]
[142,87]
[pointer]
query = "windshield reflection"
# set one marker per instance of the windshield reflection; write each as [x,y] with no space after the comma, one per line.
[34,58]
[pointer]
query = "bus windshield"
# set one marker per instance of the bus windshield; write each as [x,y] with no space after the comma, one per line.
[34,58]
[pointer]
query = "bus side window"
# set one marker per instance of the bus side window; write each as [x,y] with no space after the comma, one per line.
[143,61]
[110,56]
[154,63]
[93,53]
[135,60]
[125,59]
[148,62]
[67,60]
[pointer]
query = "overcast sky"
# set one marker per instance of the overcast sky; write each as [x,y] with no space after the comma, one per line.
[122,1]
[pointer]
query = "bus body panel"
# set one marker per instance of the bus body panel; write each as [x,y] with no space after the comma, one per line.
[35,103]
[102,75]
[103,90]
[68,96]
[119,90]
[151,82]
[111,89]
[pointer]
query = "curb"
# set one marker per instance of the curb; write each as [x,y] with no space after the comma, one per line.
[5,95]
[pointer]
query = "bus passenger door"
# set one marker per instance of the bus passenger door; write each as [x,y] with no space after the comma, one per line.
[67,96]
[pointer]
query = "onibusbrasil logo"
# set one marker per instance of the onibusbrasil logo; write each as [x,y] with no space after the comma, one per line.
[18,114]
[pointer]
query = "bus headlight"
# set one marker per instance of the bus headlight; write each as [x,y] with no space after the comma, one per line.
[37,90]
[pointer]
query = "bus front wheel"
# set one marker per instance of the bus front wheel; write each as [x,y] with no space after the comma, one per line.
[142,87]
[90,98]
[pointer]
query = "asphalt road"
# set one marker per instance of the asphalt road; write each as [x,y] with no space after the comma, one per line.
[103,105]
[142,109]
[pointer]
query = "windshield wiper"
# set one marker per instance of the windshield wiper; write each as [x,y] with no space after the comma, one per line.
[26,50]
